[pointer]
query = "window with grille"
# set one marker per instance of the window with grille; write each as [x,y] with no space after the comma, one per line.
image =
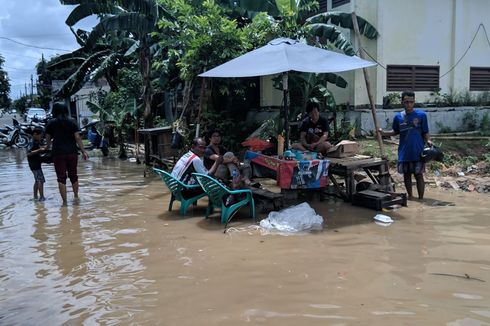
[336,3]
[416,78]
[479,78]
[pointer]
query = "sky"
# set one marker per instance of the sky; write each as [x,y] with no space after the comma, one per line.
[40,26]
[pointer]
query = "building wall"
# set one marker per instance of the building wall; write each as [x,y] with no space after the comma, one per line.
[269,96]
[429,32]
[416,32]
[87,93]
[438,119]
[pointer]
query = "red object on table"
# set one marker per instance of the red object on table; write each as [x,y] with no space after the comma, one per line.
[303,174]
[257,144]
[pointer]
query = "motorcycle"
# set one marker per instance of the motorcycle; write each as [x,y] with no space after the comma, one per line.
[14,136]
[29,127]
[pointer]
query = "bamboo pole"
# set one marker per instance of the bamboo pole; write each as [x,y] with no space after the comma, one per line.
[368,86]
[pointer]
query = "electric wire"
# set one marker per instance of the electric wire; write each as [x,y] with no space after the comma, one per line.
[459,60]
[33,46]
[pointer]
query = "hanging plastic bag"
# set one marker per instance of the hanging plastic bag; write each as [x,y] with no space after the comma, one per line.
[180,131]
[298,218]
[176,140]
[46,157]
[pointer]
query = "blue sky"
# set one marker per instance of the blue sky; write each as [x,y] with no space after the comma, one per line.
[40,26]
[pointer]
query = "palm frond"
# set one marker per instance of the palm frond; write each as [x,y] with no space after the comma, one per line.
[75,82]
[88,9]
[344,20]
[103,67]
[130,22]
[333,35]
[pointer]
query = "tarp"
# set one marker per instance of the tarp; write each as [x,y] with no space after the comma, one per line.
[282,55]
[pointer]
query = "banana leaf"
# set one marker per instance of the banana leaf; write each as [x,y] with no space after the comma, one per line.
[344,20]
[333,34]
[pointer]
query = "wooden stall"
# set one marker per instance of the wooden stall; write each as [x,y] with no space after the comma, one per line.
[160,153]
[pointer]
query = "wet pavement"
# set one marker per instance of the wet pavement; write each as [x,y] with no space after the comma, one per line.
[118,257]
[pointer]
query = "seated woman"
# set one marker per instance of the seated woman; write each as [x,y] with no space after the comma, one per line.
[230,168]
[313,131]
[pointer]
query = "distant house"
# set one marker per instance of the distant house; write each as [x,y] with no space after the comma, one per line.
[78,101]
[424,45]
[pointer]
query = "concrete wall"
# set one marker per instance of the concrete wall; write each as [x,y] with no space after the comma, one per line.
[449,117]
[269,96]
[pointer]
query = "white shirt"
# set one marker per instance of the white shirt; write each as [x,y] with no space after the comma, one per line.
[189,163]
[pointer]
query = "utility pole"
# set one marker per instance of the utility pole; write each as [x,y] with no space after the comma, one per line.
[32,90]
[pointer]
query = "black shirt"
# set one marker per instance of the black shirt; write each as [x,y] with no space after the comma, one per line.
[62,132]
[208,163]
[34,159]
[317,128]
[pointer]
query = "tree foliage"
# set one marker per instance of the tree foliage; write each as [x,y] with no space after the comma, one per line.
[4,86]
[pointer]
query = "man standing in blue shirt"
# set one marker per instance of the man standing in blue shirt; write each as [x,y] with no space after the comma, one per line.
[411,124]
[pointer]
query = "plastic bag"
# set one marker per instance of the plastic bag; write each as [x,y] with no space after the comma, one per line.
[46,157]
[383,220]
[176,140]
[432,153]
[297,218]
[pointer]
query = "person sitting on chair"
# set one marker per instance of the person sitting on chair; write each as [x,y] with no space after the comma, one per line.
[191,162]
[313,131]
[230,164]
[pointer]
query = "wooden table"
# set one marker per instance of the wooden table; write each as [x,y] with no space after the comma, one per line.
[375,168]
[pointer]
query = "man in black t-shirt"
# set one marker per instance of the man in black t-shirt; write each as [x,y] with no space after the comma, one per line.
[313,131]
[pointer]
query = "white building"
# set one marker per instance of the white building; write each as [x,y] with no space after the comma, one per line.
[78,101]
[424,45]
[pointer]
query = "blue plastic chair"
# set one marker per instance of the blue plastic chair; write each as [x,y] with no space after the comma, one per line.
[218,194]
[176,188]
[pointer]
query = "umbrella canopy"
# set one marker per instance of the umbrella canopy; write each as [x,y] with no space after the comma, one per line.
[283,54]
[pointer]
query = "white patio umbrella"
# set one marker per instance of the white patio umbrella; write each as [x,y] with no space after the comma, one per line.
[282,55]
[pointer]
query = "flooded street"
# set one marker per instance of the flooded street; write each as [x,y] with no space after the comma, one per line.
[120,258]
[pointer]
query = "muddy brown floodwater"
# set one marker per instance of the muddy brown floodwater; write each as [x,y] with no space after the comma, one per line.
[120,258]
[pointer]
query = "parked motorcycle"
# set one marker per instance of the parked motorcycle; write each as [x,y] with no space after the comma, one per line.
[14,136]
[29,127]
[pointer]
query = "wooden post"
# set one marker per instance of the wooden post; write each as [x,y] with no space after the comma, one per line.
[201,103]
[285,82]
[368,86]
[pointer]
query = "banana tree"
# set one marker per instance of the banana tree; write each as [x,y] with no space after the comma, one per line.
[136,18]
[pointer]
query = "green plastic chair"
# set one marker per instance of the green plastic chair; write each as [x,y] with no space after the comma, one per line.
[218,194]
[176,188]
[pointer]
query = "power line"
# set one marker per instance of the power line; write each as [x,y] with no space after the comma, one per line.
[469,47]
[459,60]
[20,69]
[33,46]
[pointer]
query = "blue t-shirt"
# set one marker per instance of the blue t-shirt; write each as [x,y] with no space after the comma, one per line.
[411,128]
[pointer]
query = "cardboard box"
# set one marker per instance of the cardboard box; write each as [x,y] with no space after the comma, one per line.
[345,148]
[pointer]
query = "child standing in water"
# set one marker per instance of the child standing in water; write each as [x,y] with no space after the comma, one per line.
[34,158]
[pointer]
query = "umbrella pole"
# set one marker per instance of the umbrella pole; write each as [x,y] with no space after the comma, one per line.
[286,110]
[368,86]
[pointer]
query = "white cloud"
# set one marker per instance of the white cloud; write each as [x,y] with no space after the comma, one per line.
[40,23]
